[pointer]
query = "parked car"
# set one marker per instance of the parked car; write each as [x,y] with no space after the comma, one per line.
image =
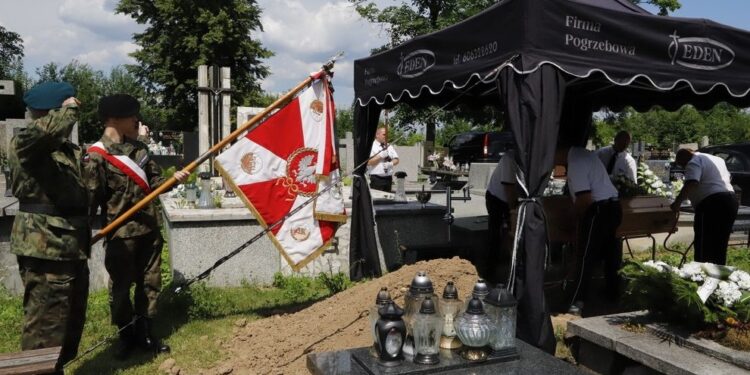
[737,158]
[479,146]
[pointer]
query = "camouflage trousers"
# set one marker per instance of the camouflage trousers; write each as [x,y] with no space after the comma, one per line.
[129,261]
[54,304]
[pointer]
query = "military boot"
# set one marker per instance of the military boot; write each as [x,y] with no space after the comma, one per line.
[146,339]
[126,343]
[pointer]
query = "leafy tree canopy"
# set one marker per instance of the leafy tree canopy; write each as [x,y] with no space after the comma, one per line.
[180,36]
[664,129]
[11,51]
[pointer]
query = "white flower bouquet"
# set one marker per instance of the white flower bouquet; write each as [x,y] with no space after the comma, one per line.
[696,294]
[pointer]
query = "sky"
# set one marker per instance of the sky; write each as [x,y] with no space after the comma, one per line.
[302,33]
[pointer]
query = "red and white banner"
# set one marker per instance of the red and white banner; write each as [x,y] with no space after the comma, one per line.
[125,164]
[274,169]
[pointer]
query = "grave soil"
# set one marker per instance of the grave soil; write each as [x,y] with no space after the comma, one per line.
[279,344]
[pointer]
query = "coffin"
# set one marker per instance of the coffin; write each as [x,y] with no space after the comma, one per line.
[641,216]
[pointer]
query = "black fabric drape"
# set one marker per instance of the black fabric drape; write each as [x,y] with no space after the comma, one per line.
[363,248]
[533,103]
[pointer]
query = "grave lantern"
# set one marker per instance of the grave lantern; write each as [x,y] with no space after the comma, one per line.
[501,308]
[390,334]
[381,300]
[420,288]
[450,306]
[427,329]
[475,329]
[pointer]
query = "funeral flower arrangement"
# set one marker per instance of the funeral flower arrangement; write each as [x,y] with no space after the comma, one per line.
[441,162]
[695,295]
[648,184]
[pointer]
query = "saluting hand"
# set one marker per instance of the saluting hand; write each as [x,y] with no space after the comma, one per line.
[71,101]
[142,129]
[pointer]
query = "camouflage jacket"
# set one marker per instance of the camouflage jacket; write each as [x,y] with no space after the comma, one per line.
[46,170]
[114,191]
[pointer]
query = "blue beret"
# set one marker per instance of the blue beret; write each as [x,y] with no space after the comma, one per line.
[48,95]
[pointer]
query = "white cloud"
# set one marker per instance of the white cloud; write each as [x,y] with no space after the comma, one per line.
[98,17]
[304,34]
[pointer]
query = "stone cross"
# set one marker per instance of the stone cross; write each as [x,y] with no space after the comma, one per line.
[214,101]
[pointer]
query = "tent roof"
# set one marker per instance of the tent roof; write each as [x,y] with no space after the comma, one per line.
[613,52]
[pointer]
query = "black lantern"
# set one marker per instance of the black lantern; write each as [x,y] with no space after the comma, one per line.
[381,300]
[390,334]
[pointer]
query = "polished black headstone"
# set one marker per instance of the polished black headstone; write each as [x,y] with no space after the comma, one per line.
[529,360]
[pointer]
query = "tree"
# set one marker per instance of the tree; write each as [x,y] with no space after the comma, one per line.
[11,51]
[180,36]
[665,6]
[89,85]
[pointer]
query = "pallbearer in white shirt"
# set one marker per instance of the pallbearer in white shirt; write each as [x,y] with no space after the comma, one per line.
[599,214]
[500,197]
[707,185]
[381,166]
[617,160]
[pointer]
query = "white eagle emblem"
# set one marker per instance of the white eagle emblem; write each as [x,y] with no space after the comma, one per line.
[306,170]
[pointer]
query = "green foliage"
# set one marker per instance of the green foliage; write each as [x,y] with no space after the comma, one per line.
[344,122]
[666,129]
[666,296]
[296,288]
[180,36]
[418,17]
[335,282]
[11,51]
[665,6]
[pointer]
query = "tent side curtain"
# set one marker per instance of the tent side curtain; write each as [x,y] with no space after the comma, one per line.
[533,105]
[363,251]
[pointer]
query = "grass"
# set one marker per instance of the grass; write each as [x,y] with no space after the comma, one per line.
[194,323]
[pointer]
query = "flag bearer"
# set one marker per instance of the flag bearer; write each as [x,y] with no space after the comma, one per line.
[381,166]
[120,173]
[599,214]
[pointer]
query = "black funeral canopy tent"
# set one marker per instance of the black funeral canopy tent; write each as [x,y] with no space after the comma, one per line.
[548,64]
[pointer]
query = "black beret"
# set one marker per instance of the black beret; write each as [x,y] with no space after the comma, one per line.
[118,106]
[48,95]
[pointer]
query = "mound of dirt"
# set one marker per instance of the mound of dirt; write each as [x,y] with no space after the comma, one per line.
[279,344]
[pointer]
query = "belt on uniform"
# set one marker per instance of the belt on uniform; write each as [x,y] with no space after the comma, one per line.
[51,209]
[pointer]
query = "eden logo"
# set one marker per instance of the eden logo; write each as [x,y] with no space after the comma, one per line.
[416,63]
[699,53]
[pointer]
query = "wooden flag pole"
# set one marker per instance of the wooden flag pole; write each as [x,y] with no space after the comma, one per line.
[247,126]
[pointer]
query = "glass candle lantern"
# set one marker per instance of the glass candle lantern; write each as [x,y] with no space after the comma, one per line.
[206,199]
[381,300]
[475,329]
[450,306]
[390,334]
[480,291]
[400,187]
[427,328]
[420,288]
[500,306]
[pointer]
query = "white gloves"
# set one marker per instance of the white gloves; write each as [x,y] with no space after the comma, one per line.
[388,165]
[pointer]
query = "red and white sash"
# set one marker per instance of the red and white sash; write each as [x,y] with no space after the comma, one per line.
[124,164]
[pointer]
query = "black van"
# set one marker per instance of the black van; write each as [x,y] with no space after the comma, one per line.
[479,146]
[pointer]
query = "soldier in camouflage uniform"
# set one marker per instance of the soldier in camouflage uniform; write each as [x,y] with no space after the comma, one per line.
[133,250]
[51,232]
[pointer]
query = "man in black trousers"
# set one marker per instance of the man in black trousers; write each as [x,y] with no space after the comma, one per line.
[707,185]
[599,214]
